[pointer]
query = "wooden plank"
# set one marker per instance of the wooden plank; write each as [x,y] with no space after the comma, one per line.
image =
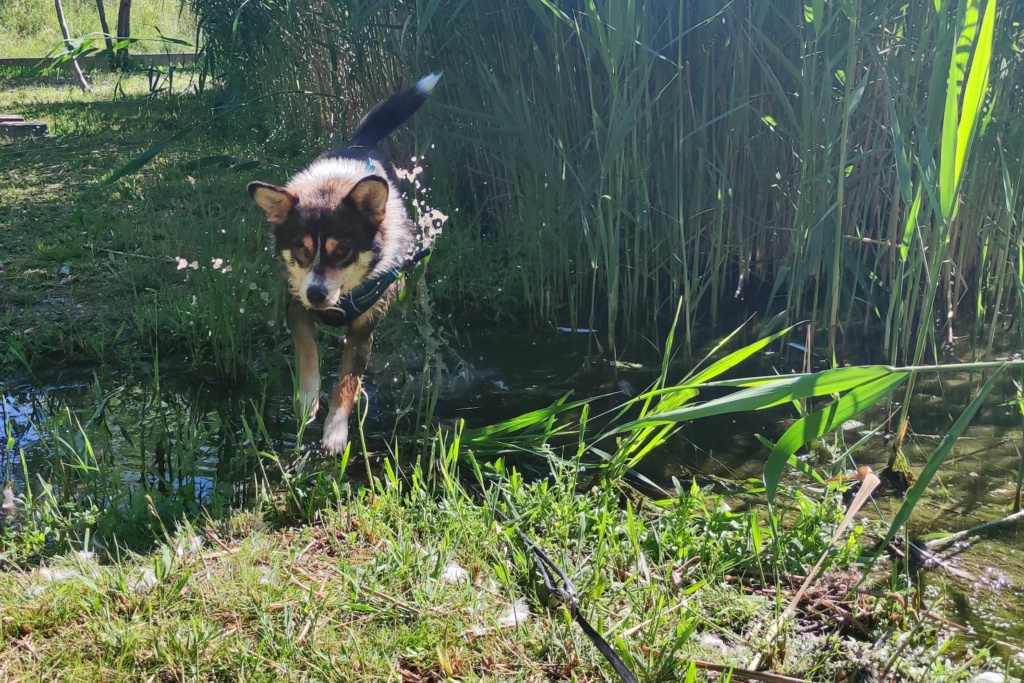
[102,61]
[17,129]
[10,118]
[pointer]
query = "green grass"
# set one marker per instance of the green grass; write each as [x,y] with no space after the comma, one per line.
[328,572]
[90,269]
[358,590]
[29,28]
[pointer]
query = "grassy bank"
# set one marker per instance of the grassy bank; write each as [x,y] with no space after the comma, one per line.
[170,261]
[420,582]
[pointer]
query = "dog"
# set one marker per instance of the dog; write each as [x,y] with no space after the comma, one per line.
[342,231]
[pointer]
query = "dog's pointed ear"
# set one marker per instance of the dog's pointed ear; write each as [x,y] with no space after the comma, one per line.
[370,198]
[275,201]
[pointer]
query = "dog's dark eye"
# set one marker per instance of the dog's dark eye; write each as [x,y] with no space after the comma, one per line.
[339,250]
[302,250]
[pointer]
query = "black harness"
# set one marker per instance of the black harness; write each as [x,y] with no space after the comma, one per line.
[353,304]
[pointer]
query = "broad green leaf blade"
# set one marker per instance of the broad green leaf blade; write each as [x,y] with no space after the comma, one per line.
[735,358]
[910,228]
[139,161]
[947,148]
[977,85]
[783,389]
[965,97]
[795,462]
[524,421]
[853,403]
[855,96]
[900,151]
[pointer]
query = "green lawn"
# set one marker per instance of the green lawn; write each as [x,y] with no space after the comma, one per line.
[29,28]
[90,269]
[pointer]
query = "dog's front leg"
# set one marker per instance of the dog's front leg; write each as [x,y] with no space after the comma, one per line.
[358,342]
[303,328]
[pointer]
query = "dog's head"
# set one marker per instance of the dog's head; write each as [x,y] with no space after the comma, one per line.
[327,230]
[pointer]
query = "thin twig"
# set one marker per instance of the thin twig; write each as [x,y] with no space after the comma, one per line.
[124,253]
[941,543]
[82,82]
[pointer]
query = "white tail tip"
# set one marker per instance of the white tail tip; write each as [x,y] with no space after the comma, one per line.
[426,84]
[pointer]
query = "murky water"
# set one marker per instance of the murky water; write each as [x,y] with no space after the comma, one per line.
[171,433]
[203,439]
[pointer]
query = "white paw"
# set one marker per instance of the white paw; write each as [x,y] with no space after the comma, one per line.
[335,433]
[309,403]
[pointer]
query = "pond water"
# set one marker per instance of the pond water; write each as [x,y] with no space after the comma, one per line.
[170,431]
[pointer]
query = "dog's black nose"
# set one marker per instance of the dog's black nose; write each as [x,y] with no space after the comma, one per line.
[317,294]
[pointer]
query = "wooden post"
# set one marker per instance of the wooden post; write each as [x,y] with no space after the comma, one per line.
[105,27]
[124,31]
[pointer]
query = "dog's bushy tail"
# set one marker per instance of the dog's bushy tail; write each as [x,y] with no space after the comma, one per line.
[392,112]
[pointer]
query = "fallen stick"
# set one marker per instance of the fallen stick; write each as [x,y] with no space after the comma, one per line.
[737,673]
[869,482]
[125,253]
[945,541]
[82,82]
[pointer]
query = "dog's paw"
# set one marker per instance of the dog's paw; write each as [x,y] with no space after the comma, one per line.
[335,433]
[309,403]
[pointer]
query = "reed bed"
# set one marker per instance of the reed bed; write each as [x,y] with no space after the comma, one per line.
[853,163]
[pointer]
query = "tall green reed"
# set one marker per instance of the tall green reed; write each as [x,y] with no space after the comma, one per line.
[757,156]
